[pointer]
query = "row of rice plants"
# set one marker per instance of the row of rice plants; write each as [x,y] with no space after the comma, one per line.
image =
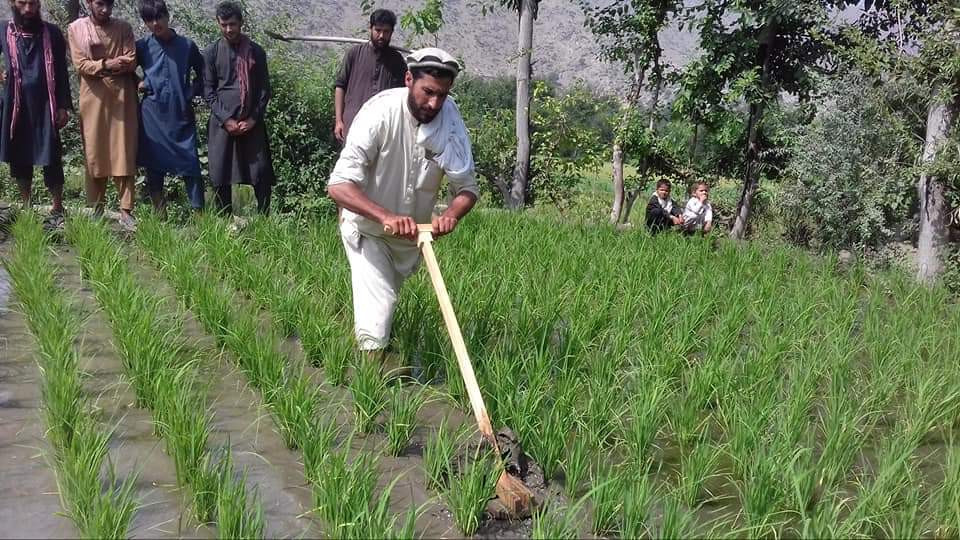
[92,497]
[165,380]
[343,489]
[258,276]
[469,485]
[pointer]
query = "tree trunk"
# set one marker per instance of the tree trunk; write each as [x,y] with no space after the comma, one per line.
[941,116]
[751,177]
[521,170]
[628,207]
[657,79]
[694,142]
[618,187]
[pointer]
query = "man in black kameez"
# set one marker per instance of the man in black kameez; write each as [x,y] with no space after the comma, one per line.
[237,88]
[36,101]
[367,69]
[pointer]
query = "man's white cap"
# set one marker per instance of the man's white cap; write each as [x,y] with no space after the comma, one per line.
[433,57]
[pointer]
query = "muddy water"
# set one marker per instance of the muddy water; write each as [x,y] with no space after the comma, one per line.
[133,449]
[28,489]
[274,472]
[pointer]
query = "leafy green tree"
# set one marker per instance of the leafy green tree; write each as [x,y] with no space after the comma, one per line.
[516,192]
[916,41]
[752,52]
[628,31]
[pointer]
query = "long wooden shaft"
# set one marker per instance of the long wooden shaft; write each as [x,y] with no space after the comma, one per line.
[327,39]
[459,347]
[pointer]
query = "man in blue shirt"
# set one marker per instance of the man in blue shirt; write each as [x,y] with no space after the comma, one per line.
[173,76]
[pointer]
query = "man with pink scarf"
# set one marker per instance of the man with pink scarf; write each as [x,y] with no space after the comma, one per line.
[36,102]
[237,88]
[104,53]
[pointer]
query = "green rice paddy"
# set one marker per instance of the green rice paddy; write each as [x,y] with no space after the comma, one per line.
[666,387]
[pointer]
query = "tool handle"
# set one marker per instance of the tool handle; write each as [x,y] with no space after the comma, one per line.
[459,347]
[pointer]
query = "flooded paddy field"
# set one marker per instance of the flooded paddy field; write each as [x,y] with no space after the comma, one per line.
[781,395]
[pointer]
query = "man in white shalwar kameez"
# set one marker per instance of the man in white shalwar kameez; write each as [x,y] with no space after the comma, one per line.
[399,147]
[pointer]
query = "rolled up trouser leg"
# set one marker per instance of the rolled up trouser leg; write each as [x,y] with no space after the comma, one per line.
[378,269]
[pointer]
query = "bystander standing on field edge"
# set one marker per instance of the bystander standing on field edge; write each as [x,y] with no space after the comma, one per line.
[366,70]
[173,78]
[36,102]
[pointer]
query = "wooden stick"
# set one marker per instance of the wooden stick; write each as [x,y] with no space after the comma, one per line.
[326,39]
[425,240]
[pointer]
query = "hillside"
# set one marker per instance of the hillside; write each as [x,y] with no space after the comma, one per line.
[564,49]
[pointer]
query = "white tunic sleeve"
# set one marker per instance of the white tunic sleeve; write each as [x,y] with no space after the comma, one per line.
[361,147]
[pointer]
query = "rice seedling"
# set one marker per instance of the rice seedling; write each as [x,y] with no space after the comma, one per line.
[438,455]
[676,521]
[906,521]
[379,522]
[761,488]
[696,467]
[336,361]
[948,495]
[575,463]
[554,521]
[641,426]
[607,499]
[637,498]
[79,444]
[153,355]
[402,408]
[549,445]
[343,492]
[470,489]
[97,512]
[234,518]
[294,406]
[317,447]
[205,488]
[369,391]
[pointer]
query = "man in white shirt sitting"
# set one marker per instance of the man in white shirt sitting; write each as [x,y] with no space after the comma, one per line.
[400,145]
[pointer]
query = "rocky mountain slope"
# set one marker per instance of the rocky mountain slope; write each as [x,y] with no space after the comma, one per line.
[564,50]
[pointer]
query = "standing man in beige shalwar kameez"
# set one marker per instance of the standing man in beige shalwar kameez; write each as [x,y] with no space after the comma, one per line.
[104,53]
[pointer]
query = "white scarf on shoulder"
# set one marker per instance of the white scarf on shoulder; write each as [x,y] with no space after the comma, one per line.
[447,143]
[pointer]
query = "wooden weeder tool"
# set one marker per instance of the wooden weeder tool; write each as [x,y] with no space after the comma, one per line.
[512,492]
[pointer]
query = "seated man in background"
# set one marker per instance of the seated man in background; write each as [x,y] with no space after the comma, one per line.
[698,214]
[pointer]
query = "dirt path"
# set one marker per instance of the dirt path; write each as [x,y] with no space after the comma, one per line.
[29,500]
[133,448]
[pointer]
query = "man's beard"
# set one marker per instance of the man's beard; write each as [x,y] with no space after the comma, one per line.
[30,24]
[420,115]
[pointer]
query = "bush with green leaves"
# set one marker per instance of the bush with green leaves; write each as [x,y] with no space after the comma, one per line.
[854,190]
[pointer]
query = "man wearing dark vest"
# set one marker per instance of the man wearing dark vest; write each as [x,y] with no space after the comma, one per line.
[367,70]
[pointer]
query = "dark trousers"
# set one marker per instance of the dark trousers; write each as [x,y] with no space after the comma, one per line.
[192,184]
[224,197]
[52,174]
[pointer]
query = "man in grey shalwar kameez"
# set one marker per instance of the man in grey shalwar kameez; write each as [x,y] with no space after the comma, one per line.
[237,88]
[36,101]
